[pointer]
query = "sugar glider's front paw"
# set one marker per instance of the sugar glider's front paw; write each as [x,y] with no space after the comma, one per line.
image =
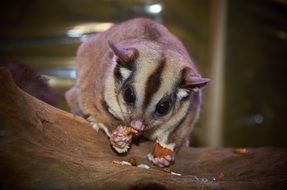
[120,140]
[161,155]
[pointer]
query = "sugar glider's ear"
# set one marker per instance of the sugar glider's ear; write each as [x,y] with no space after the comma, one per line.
[126,55]
[190,82]
[125,60]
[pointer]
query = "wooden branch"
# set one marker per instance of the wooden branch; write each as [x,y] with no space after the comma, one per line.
[42,147]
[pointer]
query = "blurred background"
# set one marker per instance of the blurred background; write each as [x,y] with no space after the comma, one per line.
[240,44]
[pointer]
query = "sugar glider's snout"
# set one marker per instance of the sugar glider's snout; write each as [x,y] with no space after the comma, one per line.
[137,124]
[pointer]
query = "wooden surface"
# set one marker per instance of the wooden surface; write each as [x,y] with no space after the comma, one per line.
[42,147]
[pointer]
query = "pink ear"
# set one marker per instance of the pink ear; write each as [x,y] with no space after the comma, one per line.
[125,55]
[192,80]
[196,82]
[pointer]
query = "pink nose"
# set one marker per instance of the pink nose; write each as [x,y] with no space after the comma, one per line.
[137,125]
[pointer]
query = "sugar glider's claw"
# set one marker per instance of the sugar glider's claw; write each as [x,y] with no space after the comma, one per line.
[161,161]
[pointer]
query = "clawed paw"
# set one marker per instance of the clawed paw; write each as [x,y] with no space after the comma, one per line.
[160,155]
[119,140]
[161,161]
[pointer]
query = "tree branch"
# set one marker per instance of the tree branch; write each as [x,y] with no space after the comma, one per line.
[42,147]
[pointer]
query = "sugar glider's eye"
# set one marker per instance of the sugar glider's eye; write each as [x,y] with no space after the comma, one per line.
[129,96]
[162,108]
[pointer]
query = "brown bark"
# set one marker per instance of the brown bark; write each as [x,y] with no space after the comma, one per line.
[42,147]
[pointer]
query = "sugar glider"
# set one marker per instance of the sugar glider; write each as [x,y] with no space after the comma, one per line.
[138,75]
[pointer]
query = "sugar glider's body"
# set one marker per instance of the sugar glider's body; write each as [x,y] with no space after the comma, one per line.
[138,74]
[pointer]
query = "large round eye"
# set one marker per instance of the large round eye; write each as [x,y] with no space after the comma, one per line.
[162,108]
[129,96]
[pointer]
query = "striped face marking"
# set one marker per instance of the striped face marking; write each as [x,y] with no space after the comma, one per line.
[149,87]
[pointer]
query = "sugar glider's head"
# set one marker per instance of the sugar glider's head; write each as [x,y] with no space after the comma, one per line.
[150,85]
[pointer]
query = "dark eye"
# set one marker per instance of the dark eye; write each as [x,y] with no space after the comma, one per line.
[129,96]
[162,108]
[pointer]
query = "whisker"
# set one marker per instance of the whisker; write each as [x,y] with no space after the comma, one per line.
[114,111]
[121,111]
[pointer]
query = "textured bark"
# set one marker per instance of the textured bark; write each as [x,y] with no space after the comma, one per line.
[42,147]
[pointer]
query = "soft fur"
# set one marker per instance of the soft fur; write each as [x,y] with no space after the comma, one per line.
[145,56]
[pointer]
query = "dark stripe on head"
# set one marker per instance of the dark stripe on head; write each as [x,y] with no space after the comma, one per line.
[118,76]
[150,32]
[183,75]
[117,73]
[153,82]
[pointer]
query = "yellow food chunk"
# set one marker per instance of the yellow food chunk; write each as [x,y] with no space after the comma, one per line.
[240,150]
[128,130]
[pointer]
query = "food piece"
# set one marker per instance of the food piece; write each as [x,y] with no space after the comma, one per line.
[133,161]
[159,151]
[240,150]
[144,166]
[174,173]
[221,176]
[121,162]
[167,170]
[129,131]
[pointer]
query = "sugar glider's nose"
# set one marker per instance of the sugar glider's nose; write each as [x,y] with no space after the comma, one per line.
[137,124]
